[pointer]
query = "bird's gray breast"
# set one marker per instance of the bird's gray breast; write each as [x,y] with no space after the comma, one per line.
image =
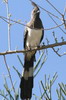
[34,37]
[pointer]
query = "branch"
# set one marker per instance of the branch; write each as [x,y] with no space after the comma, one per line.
[20,23]
[46,10]
[64,91]
[60,55]
[4,96]
[54,7]
[47,97]
[9,73]
[56,52]
[34,49]
[9,25]
[56,24]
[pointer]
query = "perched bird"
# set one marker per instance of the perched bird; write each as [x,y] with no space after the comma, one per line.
[33,36]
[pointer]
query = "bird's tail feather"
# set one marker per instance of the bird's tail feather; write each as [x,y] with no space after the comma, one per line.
[26,84]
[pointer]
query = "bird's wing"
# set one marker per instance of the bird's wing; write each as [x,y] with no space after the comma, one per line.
[25,37]
[42,36]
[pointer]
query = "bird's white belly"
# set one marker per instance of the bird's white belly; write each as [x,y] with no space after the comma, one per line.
[34,37]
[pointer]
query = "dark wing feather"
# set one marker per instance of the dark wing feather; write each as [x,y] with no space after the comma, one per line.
[25,37]
[42,36]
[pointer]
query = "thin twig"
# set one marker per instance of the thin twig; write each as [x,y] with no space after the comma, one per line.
[9,92]
[40,90]
[54,27]
[62,89]
[34,49]
[9,73]
[50,91]
[17,72]
[56,23]
[56,52]
[38,62]
[54,78]
[46,10]
[45,90]
[20,60]
[44,60]
[8,16]
[60,55]
[64,10]
[3,18]
[54,7]
[4,96]
[64,21]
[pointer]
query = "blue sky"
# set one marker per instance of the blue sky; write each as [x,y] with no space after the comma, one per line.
[21,10]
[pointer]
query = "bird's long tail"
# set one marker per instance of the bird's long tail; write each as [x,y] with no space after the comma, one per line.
[26,84]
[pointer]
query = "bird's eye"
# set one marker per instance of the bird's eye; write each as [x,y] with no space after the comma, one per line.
[34,11]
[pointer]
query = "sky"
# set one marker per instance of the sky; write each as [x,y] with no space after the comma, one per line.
[21,10]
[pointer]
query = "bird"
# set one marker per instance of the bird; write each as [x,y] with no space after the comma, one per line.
[33,35]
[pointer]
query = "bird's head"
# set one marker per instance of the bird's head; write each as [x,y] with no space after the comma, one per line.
[35,11]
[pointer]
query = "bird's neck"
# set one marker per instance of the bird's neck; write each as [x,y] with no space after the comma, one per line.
[36,17]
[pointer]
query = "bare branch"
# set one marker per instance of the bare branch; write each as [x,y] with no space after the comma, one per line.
[4,96]
[34,49]
[64,91]
[18,73]
[46,10]
[65,10]
[9,73]
[54,7]
[56,24]
[44,60]
[60,55]
[54,27]
[64,21]
[45,91]
[9,25]
[56,52]
[20,60]
[5,19]
[40,89]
